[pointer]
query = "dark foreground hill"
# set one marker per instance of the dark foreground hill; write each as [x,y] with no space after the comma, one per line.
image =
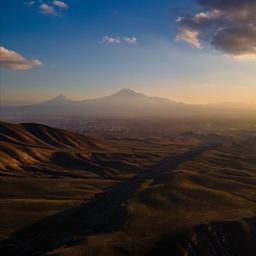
[42,135]
[33,147]
[63,193]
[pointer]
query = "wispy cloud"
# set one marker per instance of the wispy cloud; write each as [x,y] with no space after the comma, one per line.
[130,40]
[29,3]
[118,40]
[190,36]
[12,60]
[50,8]
[111,40]
[60,4]
[47,9]
[229,26]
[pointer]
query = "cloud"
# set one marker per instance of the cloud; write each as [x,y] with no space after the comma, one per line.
[60,4]
[50,8]
[190,36]
[229,26]
[47,9]
[29,3]
[130,40]
[12,60]
[111,40]
[118,40]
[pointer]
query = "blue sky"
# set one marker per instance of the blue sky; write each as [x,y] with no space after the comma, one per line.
[91,48]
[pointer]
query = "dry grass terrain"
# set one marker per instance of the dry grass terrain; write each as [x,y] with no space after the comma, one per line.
[64,193]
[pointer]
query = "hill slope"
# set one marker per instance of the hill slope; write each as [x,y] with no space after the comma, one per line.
[38,134]
[67,194]
[40,149]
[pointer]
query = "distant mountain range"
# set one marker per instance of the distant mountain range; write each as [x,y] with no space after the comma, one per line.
[124,103]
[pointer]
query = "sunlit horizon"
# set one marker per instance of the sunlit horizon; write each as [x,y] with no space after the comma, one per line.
[92,49]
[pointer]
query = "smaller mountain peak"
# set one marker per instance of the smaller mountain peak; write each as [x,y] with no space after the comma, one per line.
[127,92]
[60,97]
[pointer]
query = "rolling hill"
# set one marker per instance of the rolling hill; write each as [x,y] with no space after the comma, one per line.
[35,149]
[64,193]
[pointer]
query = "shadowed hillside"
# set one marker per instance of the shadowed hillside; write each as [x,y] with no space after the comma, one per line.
[42,135]
[64,193]
[34,149]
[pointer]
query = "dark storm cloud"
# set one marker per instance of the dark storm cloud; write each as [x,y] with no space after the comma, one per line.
[228,25]
[224,3]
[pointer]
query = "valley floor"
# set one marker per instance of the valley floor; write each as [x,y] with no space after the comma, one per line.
[184,195]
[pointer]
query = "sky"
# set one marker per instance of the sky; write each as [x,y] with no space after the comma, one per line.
[194,51]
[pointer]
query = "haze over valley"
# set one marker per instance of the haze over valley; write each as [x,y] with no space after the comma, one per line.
[126,103]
